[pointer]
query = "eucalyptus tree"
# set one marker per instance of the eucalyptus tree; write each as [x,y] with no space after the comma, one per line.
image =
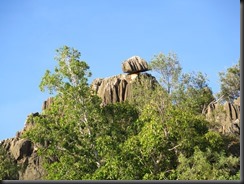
[67,128]
[168,66]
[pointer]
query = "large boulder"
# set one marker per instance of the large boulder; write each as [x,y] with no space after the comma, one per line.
[134,64]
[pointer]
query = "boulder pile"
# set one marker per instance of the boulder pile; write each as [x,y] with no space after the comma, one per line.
[118,88]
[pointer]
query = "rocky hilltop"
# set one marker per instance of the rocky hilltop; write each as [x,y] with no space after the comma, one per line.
[112,89]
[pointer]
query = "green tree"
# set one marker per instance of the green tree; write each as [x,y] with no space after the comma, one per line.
[169,69]
[67,129]
[146,90]
[121,123]
[77,135]
[169,131]
[208,165]
[152,152]
[193,91]
[230,83]
[186,89]
[8,167]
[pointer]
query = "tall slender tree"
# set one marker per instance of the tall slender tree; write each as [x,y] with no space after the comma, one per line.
[169,69]
[67,128]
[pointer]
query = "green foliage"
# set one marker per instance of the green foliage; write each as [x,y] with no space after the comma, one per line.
[70,72]
[8,167]
[230,83]
[67,128]
[147,91]
[169,69]
[186,89]
[120,121]
[207,166]
[193,92]
[153,152]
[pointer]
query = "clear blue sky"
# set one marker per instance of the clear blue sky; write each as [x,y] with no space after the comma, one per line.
[205,34]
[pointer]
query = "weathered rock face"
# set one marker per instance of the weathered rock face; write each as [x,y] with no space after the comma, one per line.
[134,64]
[227,116]
[21,148]
[118,88]
[25,155]
[47,103]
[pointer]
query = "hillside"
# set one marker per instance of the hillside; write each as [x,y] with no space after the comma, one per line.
[124,127]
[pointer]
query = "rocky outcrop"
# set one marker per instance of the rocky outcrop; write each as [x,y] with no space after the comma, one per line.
[25,154]
[119,88]
[134,64]
[226,116]
[47,103]
[21,148]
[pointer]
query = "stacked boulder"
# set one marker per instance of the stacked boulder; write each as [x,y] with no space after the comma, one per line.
[118,88]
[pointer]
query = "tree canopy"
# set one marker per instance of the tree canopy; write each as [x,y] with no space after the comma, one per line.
[8,168]
[230,82]
[169,69]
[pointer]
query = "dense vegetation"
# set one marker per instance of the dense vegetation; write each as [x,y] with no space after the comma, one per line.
[8,167]
[230,83]
[159,134]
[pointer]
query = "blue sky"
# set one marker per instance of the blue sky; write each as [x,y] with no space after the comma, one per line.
[205,34]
